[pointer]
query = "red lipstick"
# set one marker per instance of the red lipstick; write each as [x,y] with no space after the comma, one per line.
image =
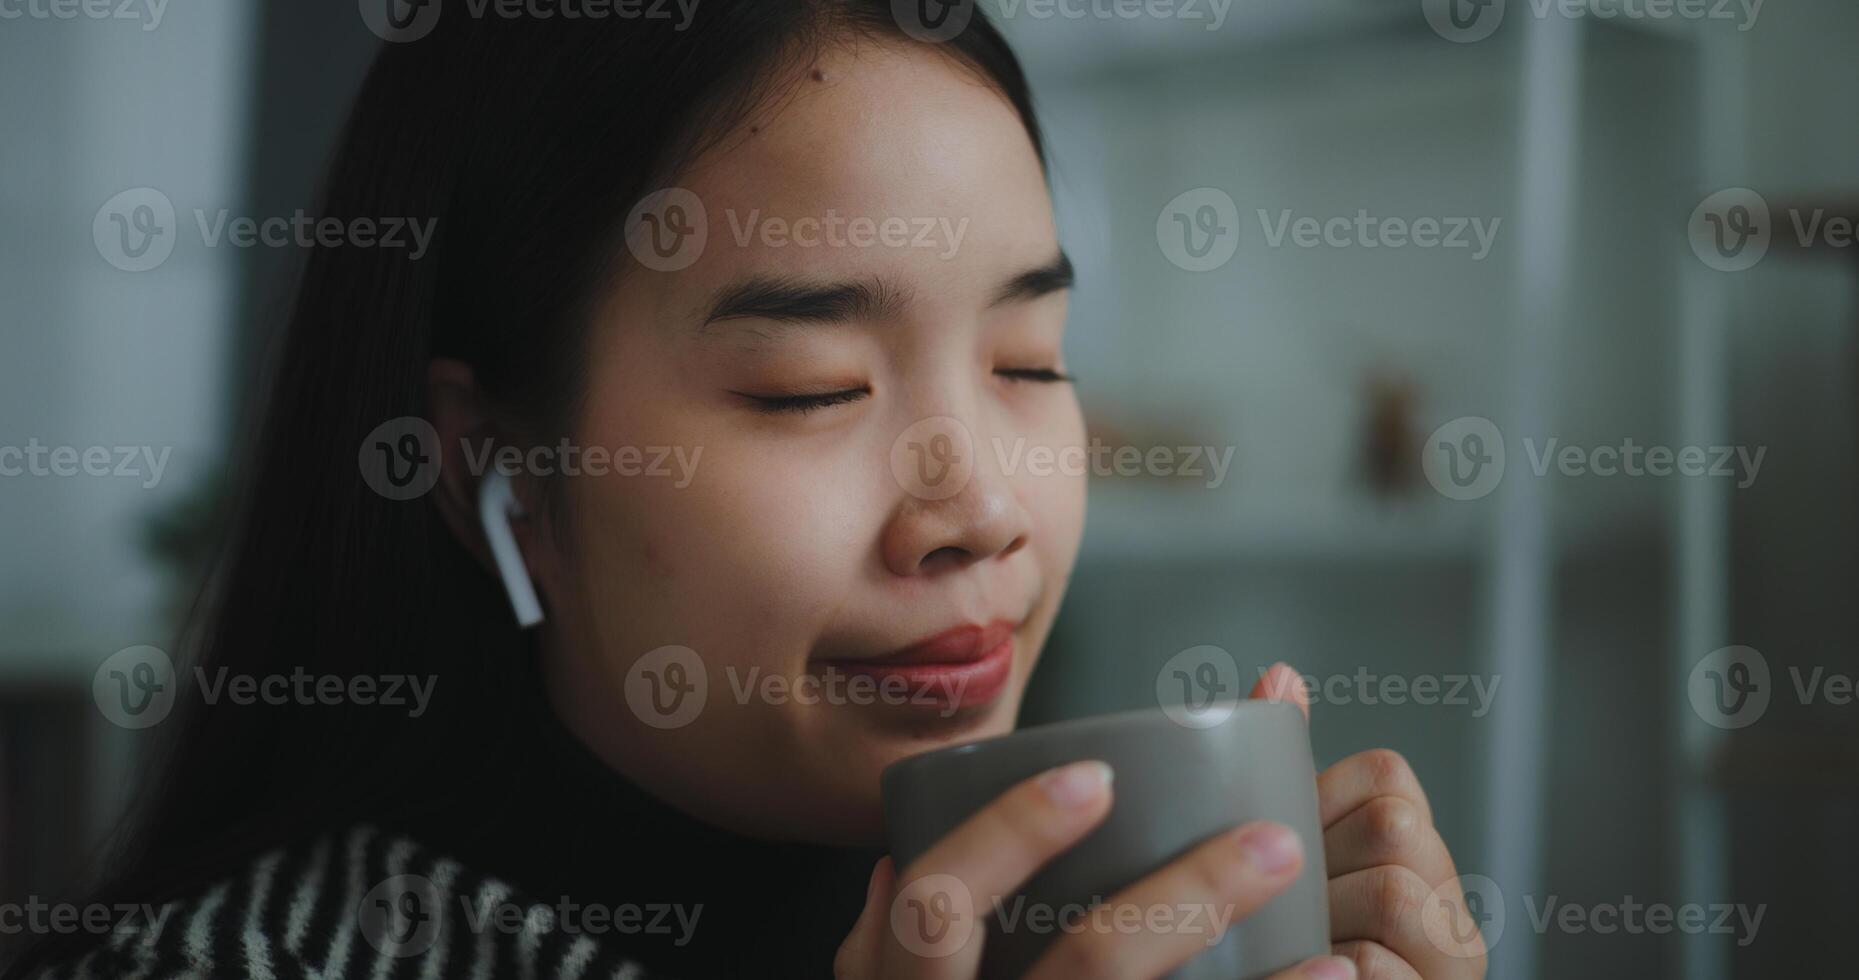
[960,667]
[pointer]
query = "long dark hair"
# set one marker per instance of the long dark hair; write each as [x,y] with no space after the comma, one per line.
[526,141]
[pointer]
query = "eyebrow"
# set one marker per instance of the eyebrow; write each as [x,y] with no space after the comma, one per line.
[789,299]
[1052,277]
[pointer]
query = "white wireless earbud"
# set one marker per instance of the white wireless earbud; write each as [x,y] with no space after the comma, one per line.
[497,503]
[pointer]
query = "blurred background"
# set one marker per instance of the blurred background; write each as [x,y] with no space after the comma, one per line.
[1621,692]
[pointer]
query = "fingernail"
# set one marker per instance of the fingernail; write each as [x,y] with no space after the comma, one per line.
[1270,847]
[1330,968]
[1077,784]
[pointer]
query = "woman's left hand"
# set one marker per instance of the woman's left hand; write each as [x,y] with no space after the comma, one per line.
[1396,907]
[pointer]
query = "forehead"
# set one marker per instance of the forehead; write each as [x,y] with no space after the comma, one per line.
[874,132]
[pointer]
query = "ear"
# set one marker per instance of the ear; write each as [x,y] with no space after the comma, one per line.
[470,443]
[466,435]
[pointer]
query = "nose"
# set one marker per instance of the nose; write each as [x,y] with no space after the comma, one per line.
[933,533]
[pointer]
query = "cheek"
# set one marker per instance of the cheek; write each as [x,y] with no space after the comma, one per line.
[745,564]
[1054,495]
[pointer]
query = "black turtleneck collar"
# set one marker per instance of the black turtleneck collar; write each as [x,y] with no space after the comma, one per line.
[547,815]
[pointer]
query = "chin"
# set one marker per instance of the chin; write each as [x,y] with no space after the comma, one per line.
[851,762]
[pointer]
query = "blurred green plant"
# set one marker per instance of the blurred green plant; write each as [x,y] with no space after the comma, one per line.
[181,539]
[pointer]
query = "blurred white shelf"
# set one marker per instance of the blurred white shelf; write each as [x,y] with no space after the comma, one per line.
[1131,525]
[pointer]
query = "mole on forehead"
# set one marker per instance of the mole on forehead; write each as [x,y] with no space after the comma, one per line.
[815,73]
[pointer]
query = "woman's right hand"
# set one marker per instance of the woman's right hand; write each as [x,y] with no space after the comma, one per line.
[928,920]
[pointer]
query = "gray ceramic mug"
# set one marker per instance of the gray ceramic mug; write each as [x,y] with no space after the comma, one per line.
[1178,782]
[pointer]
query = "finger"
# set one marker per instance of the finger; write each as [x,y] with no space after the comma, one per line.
[1281,683]
[1347,785]
[858,954]
[1373,961]
[1387,830]
[1392,906]
[1319,968]
[935,915]
[1222,880]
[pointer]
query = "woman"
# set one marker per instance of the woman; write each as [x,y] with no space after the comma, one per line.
[801,376]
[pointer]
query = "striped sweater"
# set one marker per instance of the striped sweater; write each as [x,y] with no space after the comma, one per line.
[362,904]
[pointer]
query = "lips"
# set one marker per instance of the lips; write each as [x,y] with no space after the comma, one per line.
[961,667]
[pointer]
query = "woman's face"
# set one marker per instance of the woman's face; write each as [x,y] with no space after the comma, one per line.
[856,533]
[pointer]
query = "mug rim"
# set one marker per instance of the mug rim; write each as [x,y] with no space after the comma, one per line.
[1115,719]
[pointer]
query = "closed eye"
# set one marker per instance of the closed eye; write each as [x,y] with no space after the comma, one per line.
[802,404]
[1041,375]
